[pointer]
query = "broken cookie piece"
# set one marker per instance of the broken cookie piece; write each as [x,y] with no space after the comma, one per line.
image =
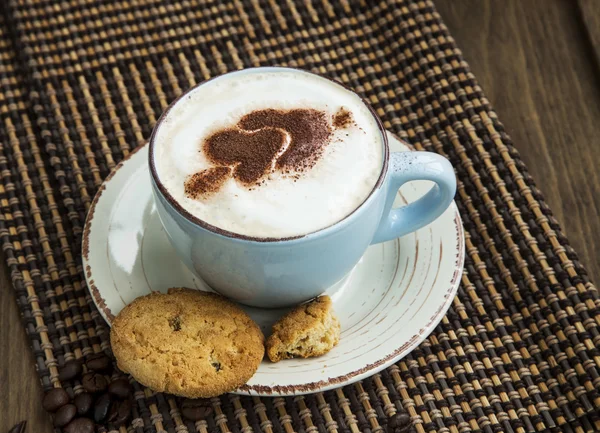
[311,329]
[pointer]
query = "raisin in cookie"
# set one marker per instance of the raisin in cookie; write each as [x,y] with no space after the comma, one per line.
[308,330]
[187,342]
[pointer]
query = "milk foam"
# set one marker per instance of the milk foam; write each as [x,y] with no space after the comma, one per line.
[283,206]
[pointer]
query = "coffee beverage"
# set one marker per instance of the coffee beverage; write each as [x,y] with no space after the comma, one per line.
[269,153]
[271,183]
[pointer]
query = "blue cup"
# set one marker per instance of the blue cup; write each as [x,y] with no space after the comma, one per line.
[272,273]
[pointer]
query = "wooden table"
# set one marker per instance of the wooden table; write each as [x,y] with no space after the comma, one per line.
[538,61]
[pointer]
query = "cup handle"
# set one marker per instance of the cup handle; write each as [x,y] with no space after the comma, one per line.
[405,167]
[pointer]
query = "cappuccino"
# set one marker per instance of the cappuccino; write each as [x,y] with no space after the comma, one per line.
[273,153]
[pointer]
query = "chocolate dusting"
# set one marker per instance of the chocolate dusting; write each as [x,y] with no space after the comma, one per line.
[251,153]
[342,118]
[248,151]
[308,130]
[206,182]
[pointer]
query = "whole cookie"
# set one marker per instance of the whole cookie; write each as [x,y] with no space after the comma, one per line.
[187,342]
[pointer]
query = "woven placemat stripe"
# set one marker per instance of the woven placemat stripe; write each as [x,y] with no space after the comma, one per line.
[518,349]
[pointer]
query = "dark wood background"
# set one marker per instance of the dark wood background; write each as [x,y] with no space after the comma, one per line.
[538,61]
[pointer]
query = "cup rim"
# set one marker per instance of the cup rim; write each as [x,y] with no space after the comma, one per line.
[238,236]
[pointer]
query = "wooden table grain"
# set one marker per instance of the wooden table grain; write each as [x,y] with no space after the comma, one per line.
[538,61]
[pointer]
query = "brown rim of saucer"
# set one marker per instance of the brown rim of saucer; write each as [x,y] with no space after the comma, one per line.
[195,220]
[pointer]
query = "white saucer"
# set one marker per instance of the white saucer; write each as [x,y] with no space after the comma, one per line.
[391,301]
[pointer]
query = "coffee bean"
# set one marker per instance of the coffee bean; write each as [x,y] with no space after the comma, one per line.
[80,425]
[120,412]
[64,415]
[54,399]
[93,382]
[399,423]
[99,362]
[120,388]
[113,412]
[83,402]
[195,410]
[101,407]
[70,370]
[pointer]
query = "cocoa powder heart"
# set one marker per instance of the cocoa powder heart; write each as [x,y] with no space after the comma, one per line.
[251,153]
[248,152]
[205,182]
[308,130]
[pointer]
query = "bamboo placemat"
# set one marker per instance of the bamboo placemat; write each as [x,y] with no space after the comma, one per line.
[84,81]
